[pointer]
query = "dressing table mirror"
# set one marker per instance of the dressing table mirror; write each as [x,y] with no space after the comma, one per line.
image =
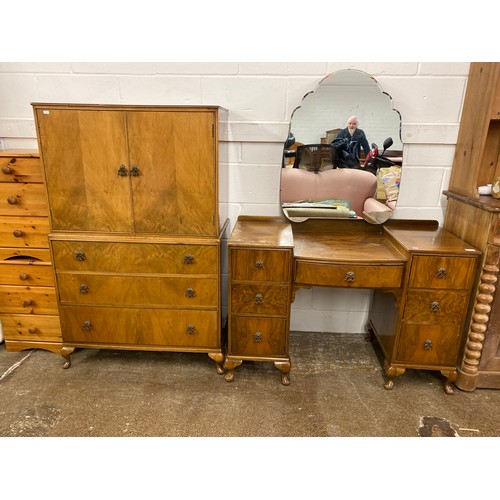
[420,274]
[315,182]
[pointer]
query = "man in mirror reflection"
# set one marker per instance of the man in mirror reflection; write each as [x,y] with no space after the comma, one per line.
[354,134]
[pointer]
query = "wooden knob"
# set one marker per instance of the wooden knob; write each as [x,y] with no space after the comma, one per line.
[32,329]
[17,233]
[23,276]
[27,303]
[11,200]
[6,170]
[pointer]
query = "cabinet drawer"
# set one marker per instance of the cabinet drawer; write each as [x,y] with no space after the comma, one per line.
[426,344]
[24,232]
[442,272]
[349,275]
[28,300]
[15,169]
[259,299]
[156,327]
[137,290]
[23,199]
[135,257]
[260,265]
[31,327]
[435,306]
[42,254]
[22,272]
[258,337]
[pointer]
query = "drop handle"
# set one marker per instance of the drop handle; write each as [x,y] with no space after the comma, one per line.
[188,259]
[190,329]
[6,170]
[257,338]
[190,293]
[18,233]
[259,299]
[350,277]
[80,256]
[11,200]
[84,289]
[435,307]
[441,273]
[427,345]
[87,326]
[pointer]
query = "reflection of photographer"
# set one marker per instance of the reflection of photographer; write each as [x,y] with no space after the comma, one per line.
[354,134]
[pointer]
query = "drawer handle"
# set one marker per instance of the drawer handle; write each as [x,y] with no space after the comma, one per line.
[259,264]
[80,255]
[188,259]
[190,293]
[350,277]
[257,338]
[427,345]
[27,303]
[6,170]
[190,329]
[435,307]
[441,273]
[18,233]
[23,276]
[87,326]
[11,200]
[32,329]
[259,299]
[84,289]
[122,171]
[134,171]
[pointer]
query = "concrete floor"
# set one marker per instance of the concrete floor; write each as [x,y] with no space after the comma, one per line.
[336,390]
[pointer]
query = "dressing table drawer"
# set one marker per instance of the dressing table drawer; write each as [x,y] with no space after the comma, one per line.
[349,275]
[442,272]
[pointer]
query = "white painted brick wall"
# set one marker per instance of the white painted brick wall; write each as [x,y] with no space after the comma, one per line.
[260,97]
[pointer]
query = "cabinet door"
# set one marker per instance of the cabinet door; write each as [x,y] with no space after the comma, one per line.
[82,153]
[173,154]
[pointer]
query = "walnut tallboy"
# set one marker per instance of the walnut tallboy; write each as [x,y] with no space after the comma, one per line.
[421,274]
[476,219]
[136,225]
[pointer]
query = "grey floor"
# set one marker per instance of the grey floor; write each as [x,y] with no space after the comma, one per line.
[336,391]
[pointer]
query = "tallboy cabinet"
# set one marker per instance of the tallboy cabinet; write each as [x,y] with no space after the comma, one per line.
[136,224]
[28,305]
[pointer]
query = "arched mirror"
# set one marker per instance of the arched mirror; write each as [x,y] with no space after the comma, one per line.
[330,172]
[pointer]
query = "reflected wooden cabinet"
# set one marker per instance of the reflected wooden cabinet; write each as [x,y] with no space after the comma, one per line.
[476,219]
[28,304]
[136,225]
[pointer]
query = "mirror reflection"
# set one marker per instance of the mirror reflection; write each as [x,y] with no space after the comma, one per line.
[343,155]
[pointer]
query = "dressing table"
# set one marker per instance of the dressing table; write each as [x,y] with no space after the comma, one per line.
[421,275]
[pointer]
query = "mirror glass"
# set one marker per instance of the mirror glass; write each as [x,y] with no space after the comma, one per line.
[328,177]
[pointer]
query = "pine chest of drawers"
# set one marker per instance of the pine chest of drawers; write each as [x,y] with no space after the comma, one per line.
[28,304]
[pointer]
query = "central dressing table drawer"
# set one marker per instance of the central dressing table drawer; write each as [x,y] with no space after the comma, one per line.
[137,290]
[122,257]
[259,265]
[347,275]
[156,327]
[259,299]
[442,272]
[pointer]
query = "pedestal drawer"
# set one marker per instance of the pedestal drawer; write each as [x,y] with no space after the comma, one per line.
[31,327]
[196,329]
[259,265]
[137,290]
[127,258]
[349,275]
[436,306]
[264,300]
[258,337]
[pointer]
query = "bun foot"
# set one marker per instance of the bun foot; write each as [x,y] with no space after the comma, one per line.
[229,376]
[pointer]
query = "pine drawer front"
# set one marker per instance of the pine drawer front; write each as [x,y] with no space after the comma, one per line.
[436,306]
[259,265]
[429,344]
[258,337]
[442,272]
[20,272]
[23,200]
[349,275]
[31,327]
[98,289]
[16,169]
[28,300]
[25,232]
[259,299]
[30,254]
[127,258]
[193,329]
